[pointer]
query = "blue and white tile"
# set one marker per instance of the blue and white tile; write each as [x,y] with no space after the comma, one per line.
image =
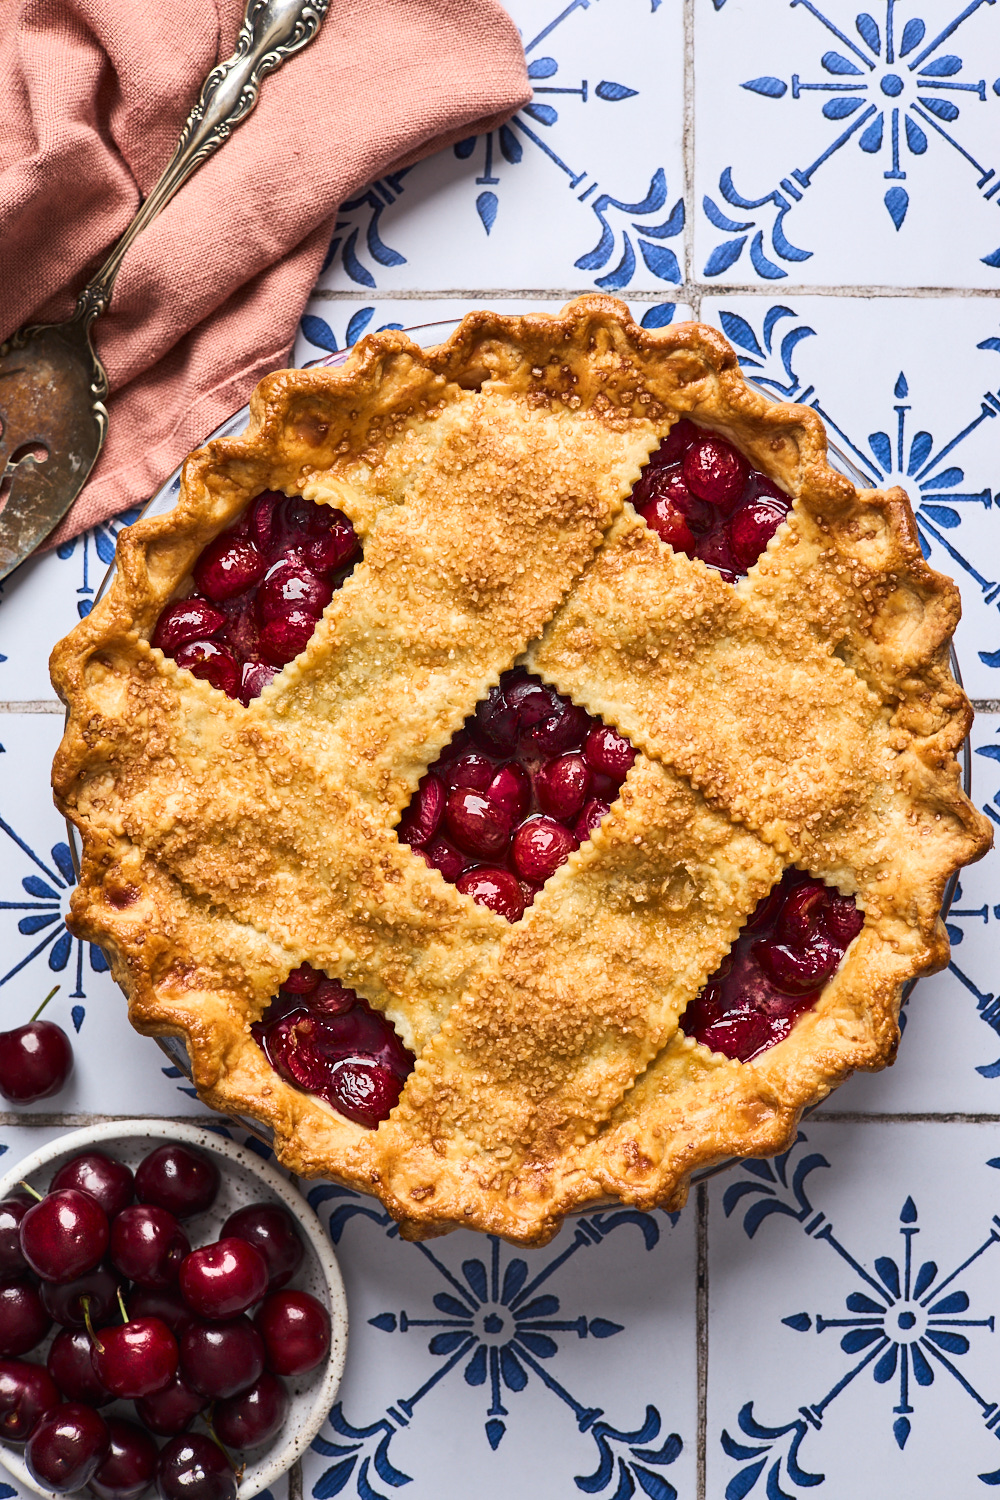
[473,1365]
[116,1071]
[582,188]
[910,390]
[853,1316]
[846,149]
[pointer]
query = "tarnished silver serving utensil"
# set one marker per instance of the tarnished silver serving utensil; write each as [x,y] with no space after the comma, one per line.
[52,384]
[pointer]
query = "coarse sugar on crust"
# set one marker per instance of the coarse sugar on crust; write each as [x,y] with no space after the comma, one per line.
[806,716]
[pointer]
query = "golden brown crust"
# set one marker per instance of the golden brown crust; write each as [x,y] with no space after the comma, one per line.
[807,716]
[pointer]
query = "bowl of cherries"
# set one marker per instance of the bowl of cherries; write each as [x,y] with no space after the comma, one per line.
[172,1317]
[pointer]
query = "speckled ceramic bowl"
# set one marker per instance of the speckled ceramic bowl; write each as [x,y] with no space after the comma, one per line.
[246,1179]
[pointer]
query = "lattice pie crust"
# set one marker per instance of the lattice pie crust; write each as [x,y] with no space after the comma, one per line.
[806,716]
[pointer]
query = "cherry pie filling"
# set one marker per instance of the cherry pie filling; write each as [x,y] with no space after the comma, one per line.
[260,588]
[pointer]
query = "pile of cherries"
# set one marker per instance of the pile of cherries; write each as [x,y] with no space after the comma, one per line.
[790,946]
[143,1317]
[699,494]
[521,786]
[327,1040]
[260,588]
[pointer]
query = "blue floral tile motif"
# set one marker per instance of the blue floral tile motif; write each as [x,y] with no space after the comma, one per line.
[904,1318]
[93,553]
[497,1322]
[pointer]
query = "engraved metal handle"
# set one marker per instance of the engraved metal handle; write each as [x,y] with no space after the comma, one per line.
[272,31]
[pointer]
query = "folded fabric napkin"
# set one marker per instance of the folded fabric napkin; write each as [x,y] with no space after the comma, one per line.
[208,299]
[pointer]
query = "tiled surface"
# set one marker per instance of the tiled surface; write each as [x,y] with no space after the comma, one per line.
[719,1356]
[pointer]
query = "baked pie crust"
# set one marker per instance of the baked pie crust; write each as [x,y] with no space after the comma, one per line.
[806,716]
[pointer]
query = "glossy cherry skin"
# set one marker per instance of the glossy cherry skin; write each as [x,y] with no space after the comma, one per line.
[562,786]
[212,661]
[23,1319]
[296,1332]
[63,1300]
[72,1369]
[477,825]
[136,1358]
[422,819]
[12,1211]
[27,1392]
[108,1181]
[171,1410]
[255,1417]
[226,567]
[66,1447]
[192,1467]
[165,1303]
[64,1235]
[224,1279]
[271,1230]
[497,889]
[222,1359]
[540,846]
[187,620]
[35,1061]
[148,1245]
[178,1178]
[714,471]
[130,1464]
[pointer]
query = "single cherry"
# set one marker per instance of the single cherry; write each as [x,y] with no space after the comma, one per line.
[23,1319]
[108,1181]
[714,471]
[135,1358]
[540,846]
[171,1410]
[497,889]
[64,1235]
[72,1369]
[148,1245]
[295,1328]
[271,1230]
[442,855]
[178,1178]
[27,1392]
[12,1211]
[66,1447]
[590,817]
[609,752]
[255,677]
[35,1059]
[477,825]
[224,1279]
[67,1302]
[562,785]
[187,620]
[226,567]
[222,1359]
[255,1417]
[192,1467]
[751,528]
[130,1465]
[422,819]
[213,662]
[511,790]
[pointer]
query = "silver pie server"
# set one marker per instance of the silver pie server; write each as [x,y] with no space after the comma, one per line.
[52,384]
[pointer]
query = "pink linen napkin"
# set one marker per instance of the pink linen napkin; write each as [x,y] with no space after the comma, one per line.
[209,296]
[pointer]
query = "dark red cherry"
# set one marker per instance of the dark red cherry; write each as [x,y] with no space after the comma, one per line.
[226,567]
[187,620]
[222,1359]
[801,913]
[224,1279]
[540,846]
[303,980]
[136,1358]
[295,1328]
[291,584]
[64,1300]
[609,752]
[331,998]
[593,812]
[108,1181]
[27,1392]
[192,1467]
[715,550]
[72,1368]
[130,1465]
[165,1303]
[442,855]
[511,790]
[255,676]
[148,1245]
[750,530]
[64,1235]
[171,1410]
[12,1211]
[264,522]
[798,970]
[494,724]
[663,516]
[284,637]
[66,1447]
[421,820]
[477,825]
[471,769]
[333,549]
[676,443]
[714,471]
[255,1417]
[842,919]
[271,1230]
[178,1178]
[35,1061]
[497,889]
[562,785]
[213,662]
[565,731]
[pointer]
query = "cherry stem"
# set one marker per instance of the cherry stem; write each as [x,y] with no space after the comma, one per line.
[29,1189]
[208,1418]
[53,991]
[85,1304]
[121,1304]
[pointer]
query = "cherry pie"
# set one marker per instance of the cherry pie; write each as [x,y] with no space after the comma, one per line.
[522,771]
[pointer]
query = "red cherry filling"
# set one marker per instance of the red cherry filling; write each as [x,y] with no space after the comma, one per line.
[701,496]
[521,786]
[260,587]
[790,946]
[328,1041]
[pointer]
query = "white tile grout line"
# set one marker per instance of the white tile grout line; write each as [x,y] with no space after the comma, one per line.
[33,706]
[690,291]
